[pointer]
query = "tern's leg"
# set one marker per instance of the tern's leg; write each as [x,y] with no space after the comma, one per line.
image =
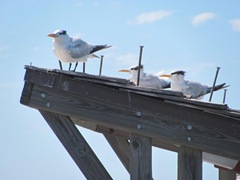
[75,67]
[60,64]
[70,65]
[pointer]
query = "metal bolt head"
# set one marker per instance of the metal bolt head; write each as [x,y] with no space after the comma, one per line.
[189,138]
[139,126]
[189,127]
[43,95]
[138,113]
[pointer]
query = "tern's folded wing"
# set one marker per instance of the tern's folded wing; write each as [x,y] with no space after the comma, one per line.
[79,48]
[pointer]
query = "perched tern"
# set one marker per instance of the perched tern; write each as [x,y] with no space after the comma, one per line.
[190,89]
[146,80]
[72,49]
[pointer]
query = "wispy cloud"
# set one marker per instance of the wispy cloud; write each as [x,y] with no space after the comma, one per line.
[235,23]
[203,17]
[127,60]
[150,17]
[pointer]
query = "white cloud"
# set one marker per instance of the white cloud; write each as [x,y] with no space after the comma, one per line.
[127,60]
[235,24]
[151,17]
[203,17]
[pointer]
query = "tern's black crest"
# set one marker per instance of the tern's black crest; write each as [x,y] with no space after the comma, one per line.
[62,32]
[136,67]
[98,47]
[178,72]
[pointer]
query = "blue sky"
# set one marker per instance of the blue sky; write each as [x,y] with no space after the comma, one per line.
[195,36]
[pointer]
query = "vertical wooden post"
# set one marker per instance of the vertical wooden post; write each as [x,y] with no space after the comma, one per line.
[141,157]
[226,175]
[189,164]
[76,145]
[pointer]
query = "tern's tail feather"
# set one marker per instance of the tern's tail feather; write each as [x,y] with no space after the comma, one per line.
[220,86]
[99,47]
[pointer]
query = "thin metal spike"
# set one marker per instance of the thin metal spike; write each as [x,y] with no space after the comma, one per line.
[224,95]
[214,83]
[139,64]
[60,64]
[101,63]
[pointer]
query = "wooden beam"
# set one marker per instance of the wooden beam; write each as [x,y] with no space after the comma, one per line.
[76,145]
[225,174]
[141,157]
[189,164]
[122,149]
[139,114]
[160,143]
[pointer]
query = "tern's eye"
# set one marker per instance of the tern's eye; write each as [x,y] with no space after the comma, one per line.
[63,33]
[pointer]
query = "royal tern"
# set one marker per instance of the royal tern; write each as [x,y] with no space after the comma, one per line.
[146,80]
[190,89]
[72,49]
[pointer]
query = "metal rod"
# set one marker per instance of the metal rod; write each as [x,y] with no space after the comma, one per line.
[84,66]
[214,83]
[139,64]
[101,62]
[224,95]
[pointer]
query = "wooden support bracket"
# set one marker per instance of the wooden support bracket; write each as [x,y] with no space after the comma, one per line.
[76,145]
[122,149]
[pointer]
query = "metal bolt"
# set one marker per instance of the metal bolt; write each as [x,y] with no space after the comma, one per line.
[189,127]
[139,126]
[48,104]
[189,138]
[43,95]
[138,113]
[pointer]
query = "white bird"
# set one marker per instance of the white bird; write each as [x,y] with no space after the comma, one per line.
[146,80]
[72,49]
[190,89]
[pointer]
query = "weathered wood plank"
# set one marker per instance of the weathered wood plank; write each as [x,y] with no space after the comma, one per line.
[189,164]
[141,157]
[160,143]
[146,116]
[224,174]
[76,145]
[122,149]
[122,84]
[26,93]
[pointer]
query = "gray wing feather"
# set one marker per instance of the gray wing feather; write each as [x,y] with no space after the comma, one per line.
[79,48]
[195,89]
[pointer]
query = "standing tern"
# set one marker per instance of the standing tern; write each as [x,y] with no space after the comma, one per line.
[190,89]
[72,49]
[146,80]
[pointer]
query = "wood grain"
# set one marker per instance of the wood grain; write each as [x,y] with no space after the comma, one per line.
[157,119]
[141,157]
[76,146]
[189,164]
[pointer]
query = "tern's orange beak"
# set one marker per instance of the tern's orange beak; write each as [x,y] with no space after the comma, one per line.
[124,70]
[165,75]
[52,35]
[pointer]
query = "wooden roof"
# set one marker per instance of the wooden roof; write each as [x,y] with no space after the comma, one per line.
[115,107]
[161,114]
